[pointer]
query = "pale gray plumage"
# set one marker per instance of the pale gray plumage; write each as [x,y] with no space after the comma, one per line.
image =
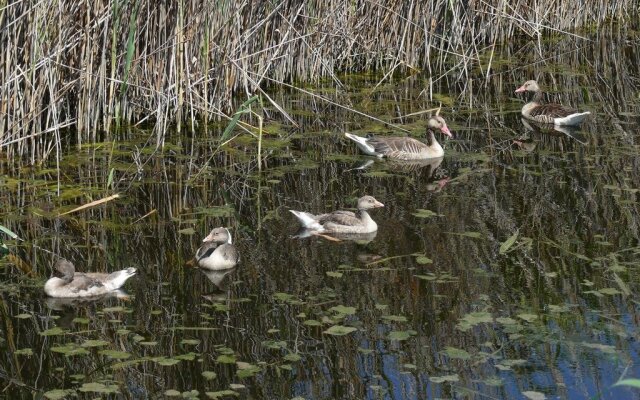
[405,148]
[342,221]
[217,252]
[68,283]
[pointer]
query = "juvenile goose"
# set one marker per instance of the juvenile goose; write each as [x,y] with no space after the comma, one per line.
[66,282]
[405,148]
[342,221]
[217,252]
[549,113]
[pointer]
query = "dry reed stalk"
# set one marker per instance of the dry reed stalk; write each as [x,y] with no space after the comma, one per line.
[90,65]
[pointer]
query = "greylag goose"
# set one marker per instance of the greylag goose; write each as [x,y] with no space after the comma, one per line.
[217,252]
[549,113]
[66,282]
[405,148]
[342,221]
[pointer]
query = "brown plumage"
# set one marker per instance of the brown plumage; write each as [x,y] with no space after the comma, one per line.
[405,148]
[548,113]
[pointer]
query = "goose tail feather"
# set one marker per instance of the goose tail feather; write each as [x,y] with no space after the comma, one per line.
[307,220]
[573,119]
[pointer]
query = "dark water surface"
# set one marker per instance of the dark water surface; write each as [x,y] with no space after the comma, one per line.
[439,304]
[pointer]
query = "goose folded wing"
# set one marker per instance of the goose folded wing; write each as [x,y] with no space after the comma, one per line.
[206,250]
[82,282]
[397,145]
[552,110]
[340,218]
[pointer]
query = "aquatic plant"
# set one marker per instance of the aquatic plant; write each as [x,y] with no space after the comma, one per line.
[88,66]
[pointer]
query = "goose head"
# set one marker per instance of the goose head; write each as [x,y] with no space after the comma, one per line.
[438,123]
[368,202]
[218,235]
[529,86]
[64,270]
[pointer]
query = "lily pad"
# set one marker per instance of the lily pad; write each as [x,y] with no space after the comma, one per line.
[343,310]
[209,375]
[421,213]
[445,378]
[97,387]
[401,335]
[453,352]
[340,330]
[58,394]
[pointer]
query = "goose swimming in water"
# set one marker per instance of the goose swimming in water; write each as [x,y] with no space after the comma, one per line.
[66,282]
[548,113]
[405,148]
[342,221]
[217,252]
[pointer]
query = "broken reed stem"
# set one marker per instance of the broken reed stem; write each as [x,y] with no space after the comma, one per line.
[89,65]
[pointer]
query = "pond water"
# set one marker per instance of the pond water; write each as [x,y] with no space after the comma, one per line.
[506,270]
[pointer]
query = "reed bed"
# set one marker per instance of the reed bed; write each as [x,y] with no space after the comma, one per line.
[91,66]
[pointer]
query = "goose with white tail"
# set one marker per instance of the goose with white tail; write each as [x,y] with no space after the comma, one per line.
[548,113]
[405,148]
[67,283]
[342,221]
[217,252]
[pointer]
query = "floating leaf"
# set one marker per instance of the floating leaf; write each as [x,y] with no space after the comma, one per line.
[528,317]
[444,378]
[530,394]
[94,343]
[166,362]
[226,359]
[395,318]
[99,388]
[424,260]
[172,393]
[334,274]
[312,322]
[472,319]
[293,357]
[190,341]
[23,316]
[506,321]
[209,375]
[401,335]
[275,344]
[506,245]
[246,370]
[453,352]
[340,330]
[53,332]
[58,394]
[343,310]
[70,349]
[24,352]
[115,309]
[422,213]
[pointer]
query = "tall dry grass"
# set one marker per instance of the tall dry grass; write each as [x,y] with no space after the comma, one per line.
[91,65]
